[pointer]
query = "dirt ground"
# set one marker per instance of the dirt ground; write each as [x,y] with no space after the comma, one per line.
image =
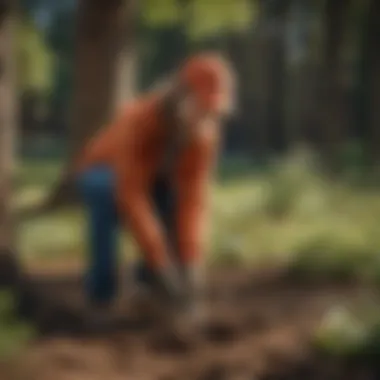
[259,328]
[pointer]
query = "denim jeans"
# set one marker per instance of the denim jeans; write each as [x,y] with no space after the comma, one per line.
[97,189]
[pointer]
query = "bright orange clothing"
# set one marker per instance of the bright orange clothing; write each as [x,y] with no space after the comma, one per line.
[134,145]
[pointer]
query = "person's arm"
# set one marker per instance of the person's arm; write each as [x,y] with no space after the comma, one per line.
[193,180]
[133,180]
[137,212]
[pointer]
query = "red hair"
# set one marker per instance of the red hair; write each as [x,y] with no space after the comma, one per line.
[210,78]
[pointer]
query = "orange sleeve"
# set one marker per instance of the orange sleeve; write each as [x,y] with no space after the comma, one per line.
[193,179]
[133,180]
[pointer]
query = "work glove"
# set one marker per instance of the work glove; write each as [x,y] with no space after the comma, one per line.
[194,297]
[165,283]
[169,285]
[187,318]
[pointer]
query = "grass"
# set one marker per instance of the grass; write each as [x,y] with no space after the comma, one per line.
[350,332]
[290,214]
[14,334]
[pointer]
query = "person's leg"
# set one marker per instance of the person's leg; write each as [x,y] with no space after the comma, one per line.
[96,188]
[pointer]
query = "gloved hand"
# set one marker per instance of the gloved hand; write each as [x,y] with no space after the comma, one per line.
[193,289]
[186,319]
[175,293]
[169,285]
[166,282]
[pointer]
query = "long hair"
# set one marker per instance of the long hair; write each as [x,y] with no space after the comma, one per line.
[164,84]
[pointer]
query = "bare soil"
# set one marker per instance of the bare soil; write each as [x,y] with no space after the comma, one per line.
[260,327]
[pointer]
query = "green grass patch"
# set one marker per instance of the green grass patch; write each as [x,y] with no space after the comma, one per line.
[14,334]
[350,331]
[291,215]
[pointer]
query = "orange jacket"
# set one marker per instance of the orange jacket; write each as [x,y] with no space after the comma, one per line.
[133,145]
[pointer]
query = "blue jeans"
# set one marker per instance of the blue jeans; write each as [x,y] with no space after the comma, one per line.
[97,189]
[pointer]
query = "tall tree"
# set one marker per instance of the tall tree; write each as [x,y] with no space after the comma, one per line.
[60,37]
[103,65]
[103,41]
[258,38]
[301,94]
[373,38]
[272,73]
[332,96]
[8,265]
[277,14]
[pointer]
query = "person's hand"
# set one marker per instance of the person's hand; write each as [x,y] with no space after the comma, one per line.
[169,284]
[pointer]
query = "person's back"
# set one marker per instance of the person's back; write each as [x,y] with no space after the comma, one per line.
[136,125]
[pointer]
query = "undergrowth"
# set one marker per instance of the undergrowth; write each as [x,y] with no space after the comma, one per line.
[291,214]
[14,334]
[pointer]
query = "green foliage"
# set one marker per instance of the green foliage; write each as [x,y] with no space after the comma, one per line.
[35,173]
[35,62]
[289,181]
[202,17]
[156,13]
[333,255]
[228,252]
[293,214]
[350,332]
[326,230]
[281,197]
[212,17]
[14,335]
[341,333]
[371,347]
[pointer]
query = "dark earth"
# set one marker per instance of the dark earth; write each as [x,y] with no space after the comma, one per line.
[260,328]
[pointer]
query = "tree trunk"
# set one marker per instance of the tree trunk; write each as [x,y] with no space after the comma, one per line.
[278,76]
[103,44]
[302,77]
[332,94]
[103,79]
[239,134]
[273,73]
[374,82]
[8,262]
[257,51]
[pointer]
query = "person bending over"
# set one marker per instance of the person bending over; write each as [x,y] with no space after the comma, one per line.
[149,171]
